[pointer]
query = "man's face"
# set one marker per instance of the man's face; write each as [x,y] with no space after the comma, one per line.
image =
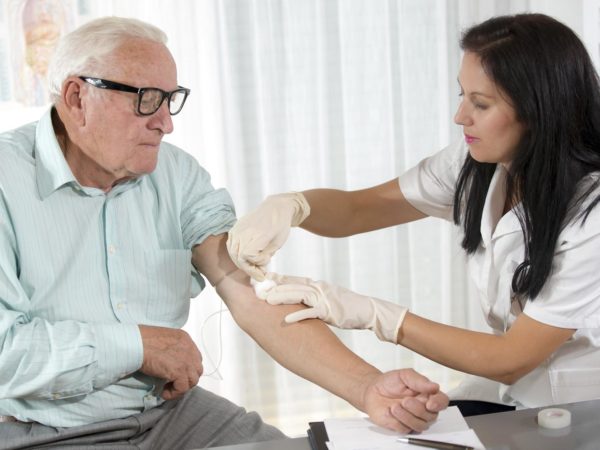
[115,142]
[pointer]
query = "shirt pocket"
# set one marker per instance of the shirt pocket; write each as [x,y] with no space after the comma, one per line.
[574,385]
[75,390]
[166,291]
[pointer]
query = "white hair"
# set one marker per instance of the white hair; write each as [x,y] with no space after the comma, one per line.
[85,49]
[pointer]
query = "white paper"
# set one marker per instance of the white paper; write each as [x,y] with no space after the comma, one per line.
[362,434]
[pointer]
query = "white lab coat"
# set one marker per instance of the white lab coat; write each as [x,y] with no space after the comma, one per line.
[570,298]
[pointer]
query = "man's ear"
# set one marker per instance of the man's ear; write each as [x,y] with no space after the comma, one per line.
[71,96]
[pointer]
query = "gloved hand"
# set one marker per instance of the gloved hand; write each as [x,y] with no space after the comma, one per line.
[335,305]
[258,235]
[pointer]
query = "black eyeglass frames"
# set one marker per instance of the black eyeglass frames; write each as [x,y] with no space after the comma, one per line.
[149,98]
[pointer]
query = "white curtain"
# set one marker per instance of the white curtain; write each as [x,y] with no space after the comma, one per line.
[296,94]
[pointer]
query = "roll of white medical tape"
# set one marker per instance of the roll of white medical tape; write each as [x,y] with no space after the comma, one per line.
[554,418]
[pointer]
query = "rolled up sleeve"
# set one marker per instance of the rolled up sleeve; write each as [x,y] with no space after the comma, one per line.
[430,185]
[205,211]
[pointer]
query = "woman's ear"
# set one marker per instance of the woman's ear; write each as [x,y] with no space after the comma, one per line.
[71,96]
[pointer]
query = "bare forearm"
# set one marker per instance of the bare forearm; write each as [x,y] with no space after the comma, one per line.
[332,367]
[467,351]
[336,213]
[332,213]
[504,358]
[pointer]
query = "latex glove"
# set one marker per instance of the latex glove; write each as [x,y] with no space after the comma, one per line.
[335,305]
[403,400]
[256,237]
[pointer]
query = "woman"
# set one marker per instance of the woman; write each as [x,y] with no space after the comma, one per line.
[523,186]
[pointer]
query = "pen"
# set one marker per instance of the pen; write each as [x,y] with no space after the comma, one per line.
[433,444]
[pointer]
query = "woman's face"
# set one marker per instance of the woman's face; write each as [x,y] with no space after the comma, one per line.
[489,122]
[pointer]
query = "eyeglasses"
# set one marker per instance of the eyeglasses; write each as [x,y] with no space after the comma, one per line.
[149,98]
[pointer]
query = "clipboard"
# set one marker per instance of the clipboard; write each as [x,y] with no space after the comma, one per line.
[317,436]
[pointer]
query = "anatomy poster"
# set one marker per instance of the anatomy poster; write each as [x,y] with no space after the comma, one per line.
[30,30]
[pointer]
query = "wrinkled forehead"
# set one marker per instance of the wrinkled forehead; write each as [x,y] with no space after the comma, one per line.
[142,62]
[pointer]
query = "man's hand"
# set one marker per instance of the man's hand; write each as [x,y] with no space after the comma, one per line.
[256,237]
[171,354]
[403,400]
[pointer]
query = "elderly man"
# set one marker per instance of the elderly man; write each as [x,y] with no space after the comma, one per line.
[104,231]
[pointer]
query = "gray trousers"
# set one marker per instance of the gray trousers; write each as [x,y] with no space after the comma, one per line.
[198,420]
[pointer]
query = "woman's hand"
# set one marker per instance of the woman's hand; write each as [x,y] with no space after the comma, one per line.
[256,237]
[335,305]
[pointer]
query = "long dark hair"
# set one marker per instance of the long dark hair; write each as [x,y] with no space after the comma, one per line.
[547,75]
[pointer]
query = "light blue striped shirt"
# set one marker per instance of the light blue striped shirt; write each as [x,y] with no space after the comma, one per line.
[79,269]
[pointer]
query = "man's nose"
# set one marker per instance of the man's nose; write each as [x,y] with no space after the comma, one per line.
[161,119]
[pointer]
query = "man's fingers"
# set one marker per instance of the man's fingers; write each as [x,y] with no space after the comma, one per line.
[400,421]
[169,392]
[177,388]
[194,374]
[437,402]
[193,380]
[418,383]
[412,413]
[197,367]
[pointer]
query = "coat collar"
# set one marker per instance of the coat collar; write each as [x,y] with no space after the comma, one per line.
[493,223]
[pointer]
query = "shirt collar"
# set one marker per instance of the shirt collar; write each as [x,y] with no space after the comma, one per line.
[52,170]
[493,222]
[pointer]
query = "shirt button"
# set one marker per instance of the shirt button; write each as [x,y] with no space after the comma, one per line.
[120,305]
[55,396]
[112,249]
